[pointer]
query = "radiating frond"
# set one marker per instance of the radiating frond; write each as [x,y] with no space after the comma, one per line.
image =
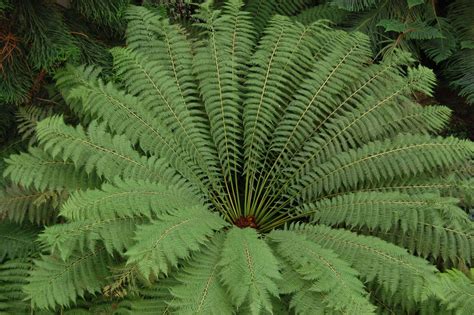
[456,291]
[171,237]
[200,290]
[40,171]
[427,224]
[249,270]
[13,275]
[97,151]
[16,241]
[326,273]
[37,207]
[57,282]
[405,155]
[127,198]
[389,266]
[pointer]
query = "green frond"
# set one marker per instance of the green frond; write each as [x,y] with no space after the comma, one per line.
[263,10]
[249,270]
[96,150]
[219,65]
[456,291]
[38,207]
[283,58]
[404,156]
[326,273]
[124,114]
[337,70]
[143,27]
[115,234]
[388,266]
[68,78]
[13,275]
[54,282]
[321,12]
[40,171]
[28,117]
[431,119]
[126,199]
[429,225]
[146,79]
[156,299]
[199,290]
[16,241]
[171,237]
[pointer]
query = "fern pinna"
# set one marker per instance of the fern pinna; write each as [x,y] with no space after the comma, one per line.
[249,172]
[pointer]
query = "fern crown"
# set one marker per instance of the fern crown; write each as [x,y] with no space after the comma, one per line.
[251,171]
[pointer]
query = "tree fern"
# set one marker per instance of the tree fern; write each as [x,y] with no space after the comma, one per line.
[261,168]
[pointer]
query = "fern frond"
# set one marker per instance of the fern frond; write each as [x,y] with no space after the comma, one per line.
[146,79]
[109,156]
[389,266]
[16,241]
[28,117]
[171,237]
[271,82]
[124,115]
[199,290]
[335,71]
[37,207]
[219,65]
[40,171]
[405,155]
[249,270]
[13,275]
[456,291]
[321,12]
[56,282]
[126,199]
[425,223]
[115,234]
[326,272]
[263,10]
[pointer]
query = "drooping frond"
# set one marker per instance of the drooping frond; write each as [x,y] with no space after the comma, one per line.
[171,237]
[38,207]
[153,300]
[321,12]
[199,290]
[327,274]
[389,266]
[456,291]
[126,198]
[13,275]
[404,156]
[16,241]
[249,270]
[124,114]
[40,171]
[109,156]
[427,224]
[56,282]
[115,234]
